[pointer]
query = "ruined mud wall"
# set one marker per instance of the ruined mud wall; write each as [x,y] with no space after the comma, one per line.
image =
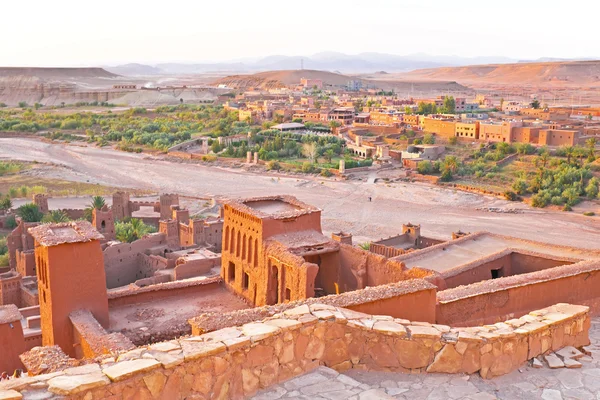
[194,268]
[523,263]
[495,300]
[122,262]
[133,294]
[235,363]
[363,268]
[368,300]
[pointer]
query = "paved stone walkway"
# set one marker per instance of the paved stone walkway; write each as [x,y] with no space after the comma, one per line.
[526,383]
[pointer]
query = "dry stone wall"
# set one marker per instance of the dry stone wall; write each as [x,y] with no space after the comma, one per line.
[236,362]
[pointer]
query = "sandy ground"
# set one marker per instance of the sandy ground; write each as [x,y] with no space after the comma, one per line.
[345,204]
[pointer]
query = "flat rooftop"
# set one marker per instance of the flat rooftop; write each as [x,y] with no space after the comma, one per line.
[479,245]
[68,232]
[9,313]
[166,317]
[273,207]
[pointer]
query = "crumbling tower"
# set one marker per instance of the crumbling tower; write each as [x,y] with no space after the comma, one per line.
[120,206]
[70,271]
[104,223]
[41,200]
[166,201]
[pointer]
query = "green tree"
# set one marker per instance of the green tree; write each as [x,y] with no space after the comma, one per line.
[449,106]
[591,145]
[535,104]
[428,139]
[328,154]
[5,203]
[424,167]
[55,216]
[97,202]
[30,212]
[132,230]
[591,190]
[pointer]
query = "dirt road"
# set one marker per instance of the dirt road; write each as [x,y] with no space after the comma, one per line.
[345,204]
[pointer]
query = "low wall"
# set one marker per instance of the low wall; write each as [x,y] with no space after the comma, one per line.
[194,268]
[397,298]
[132,294]
[234,363]
[491,301]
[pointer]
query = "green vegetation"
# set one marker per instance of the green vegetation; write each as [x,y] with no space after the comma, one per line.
[132,230]
[7,167]
[5,203]
[562,179]
[97,203]
[167,126]
[3,252]
[55,216]
[365,245]
[30,212]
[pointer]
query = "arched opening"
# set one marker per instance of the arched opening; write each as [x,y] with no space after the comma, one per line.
[226,239]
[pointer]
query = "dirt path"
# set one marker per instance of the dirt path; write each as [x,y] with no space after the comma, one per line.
[345,203]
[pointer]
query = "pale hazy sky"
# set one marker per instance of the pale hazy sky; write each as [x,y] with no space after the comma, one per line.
[109,32]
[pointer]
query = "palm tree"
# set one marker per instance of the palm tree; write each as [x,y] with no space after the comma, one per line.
[131,231]
[56,216]
[591,145]
[30,212]
[451,163]
[569,151]
[98,203]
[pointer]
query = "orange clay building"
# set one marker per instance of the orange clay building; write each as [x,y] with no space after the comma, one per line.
[444,127]
[12,341]
[71,277]
[274,252]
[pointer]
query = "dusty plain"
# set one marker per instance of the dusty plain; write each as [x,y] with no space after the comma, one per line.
[345,204]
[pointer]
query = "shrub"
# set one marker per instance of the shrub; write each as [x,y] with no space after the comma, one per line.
[540,199]
[273,165]
[10,223]
[510,195]
[326,173]
[13,192]
[453,140]
[30,212]
[307,167]
[589,213]
[520,186]
[4,260]
[446,175]
[5,203]
[428,139]
[424,167]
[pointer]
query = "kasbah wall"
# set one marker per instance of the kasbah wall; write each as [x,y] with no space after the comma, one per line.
[234,363]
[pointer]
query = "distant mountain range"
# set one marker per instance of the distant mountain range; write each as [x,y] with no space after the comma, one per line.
[325,61]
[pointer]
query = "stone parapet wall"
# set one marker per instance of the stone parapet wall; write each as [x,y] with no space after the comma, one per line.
[237,362]
[495,300]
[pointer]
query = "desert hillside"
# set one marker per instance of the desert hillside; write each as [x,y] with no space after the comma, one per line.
[551,74]
[56,73]
[277,79]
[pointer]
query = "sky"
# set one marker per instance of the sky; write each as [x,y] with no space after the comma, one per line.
[111,32]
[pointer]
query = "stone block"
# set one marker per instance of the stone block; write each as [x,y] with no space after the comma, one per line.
[69,385]
[258,331]
[196,350]
[571,363]
[553,361]
[10,395]
[284,324]
[412,354]
[427,332]
[164,346]
[570,352]
[447,360]
[390,328]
